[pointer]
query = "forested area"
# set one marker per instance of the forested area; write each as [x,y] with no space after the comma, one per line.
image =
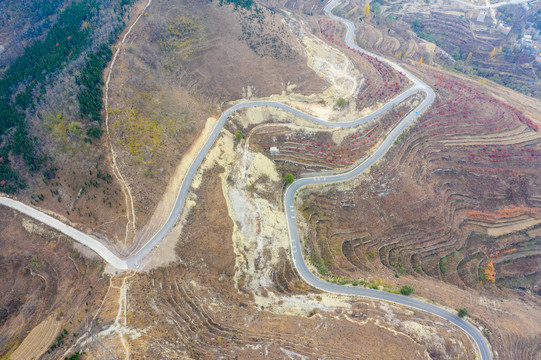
[25,81]
[245,4]
[44,8]
[65,39]
[90,98]
[23,22]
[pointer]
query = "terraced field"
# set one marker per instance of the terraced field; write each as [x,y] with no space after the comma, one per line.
[236,330]
[457,199]
[460,36]
[305,150]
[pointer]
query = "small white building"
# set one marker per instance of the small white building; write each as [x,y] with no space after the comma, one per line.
[526,40]
[481,17]
[504,29]
[274,150]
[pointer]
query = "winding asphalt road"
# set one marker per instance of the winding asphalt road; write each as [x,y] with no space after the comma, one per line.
[289,198]
[289,201]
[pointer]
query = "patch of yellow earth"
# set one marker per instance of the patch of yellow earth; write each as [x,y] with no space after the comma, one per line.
[338,136]
[318,49]
[429,49]
[259,226]
[263,166]
[378,323]
[259,115]
[336,68]
[302,305]
[291,88]
[222,153]
[37,341]
[327,112]
[424,335]
[259,235]
[37,228]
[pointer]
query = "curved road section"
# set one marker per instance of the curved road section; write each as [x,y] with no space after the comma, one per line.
[289,197]
[289,201]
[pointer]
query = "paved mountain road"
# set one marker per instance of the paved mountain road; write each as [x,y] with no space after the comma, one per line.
[491,6]
[75,234]
[289,204]
[289,197]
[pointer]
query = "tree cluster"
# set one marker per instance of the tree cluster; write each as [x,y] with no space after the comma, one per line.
[245,4]
[90,98]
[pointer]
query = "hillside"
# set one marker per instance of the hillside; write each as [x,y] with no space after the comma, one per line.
[113,108]
[185,63]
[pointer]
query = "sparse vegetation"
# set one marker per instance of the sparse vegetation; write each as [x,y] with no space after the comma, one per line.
[289,178]
[75,128]
[255,22]
[407,290]
[443,265]
[340,103]
[418,28]
[182,40]
[317,261]
[74,356]
[239,135]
